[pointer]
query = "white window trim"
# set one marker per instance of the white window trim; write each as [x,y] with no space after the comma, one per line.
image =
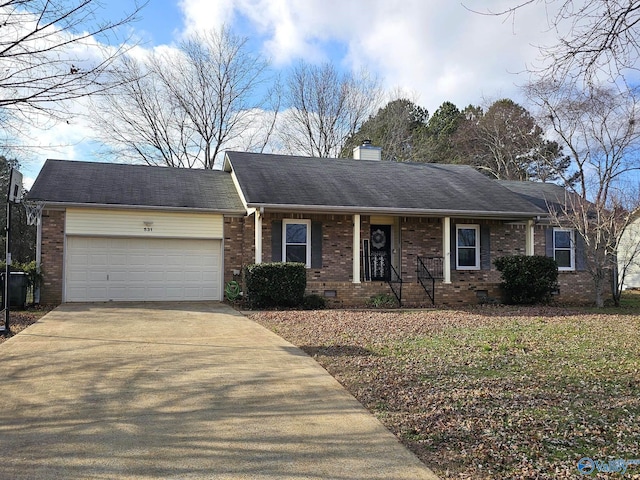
[291,221]
[572,248]
[475,227]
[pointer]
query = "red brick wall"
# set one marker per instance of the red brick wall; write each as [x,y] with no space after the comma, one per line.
[239,248]
[575,287]
[337,245]
[418,237]
[52,256]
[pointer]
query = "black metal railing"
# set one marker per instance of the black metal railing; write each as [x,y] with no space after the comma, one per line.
[429,269]
[395,283]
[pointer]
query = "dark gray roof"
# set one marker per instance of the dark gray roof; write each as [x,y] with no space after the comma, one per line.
[72,182]
[544,195]
[303,183]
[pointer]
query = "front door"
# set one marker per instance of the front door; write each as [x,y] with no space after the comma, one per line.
[380,252]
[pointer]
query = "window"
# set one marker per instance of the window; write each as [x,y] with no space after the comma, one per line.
[468,247]
[296,245]
[564,248]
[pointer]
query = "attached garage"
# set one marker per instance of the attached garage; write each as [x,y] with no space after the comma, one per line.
[116,232]
[137,255]
[142,269]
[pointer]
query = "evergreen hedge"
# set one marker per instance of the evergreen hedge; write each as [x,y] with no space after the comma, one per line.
[527,279]
[279,284]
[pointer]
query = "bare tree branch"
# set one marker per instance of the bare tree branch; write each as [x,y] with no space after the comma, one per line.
[595,38]
[326,108]
[181,107]
[53,51]
[600,130]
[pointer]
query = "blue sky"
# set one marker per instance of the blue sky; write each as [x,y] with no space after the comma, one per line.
[432,50]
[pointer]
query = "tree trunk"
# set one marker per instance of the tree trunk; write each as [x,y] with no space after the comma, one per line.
[597,280]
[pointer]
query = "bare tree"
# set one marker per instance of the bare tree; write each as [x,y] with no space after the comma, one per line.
[599,128]
[181,107]
[594,37]
[325,108]
[50,54]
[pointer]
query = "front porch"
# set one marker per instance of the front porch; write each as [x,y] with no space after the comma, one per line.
[422,261]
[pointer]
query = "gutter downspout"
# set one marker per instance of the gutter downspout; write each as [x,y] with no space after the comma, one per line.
[36,292]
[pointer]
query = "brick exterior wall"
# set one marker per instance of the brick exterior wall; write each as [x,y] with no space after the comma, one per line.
[239,250]
[337,245]
[52,258]
[413,237]
[574,287]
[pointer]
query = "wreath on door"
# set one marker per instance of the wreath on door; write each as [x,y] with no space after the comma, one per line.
[378,239]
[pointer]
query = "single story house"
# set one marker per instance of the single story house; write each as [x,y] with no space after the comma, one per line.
[426,233]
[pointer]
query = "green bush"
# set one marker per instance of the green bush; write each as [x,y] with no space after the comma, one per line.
[528,279]
[382,300]
[33,276]
[314,302]
[275,284]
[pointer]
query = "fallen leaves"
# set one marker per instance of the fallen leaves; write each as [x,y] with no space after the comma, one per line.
[18,321]
[489,392]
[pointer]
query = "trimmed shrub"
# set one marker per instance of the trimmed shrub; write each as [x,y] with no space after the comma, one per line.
[314,302]
[277,284]
[528,279]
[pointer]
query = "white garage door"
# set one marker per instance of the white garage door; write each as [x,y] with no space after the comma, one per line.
[141,269]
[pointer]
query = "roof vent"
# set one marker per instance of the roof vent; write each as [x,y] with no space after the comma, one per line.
[366,151]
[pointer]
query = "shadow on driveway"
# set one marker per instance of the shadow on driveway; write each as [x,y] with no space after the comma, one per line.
[180,390]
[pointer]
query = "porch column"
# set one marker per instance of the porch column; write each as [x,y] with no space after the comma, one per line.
[530,239]
[258,235]
[356,248]
[446,249]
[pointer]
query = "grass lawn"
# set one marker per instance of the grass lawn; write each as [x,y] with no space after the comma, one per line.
[489,392]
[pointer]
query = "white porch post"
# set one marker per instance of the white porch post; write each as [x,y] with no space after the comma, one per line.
[530,238]
[258,235]
[446,248]
[356,248]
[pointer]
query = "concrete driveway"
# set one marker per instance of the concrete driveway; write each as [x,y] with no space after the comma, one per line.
[180,391]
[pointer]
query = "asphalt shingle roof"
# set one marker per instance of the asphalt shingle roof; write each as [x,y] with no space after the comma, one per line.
[73,182]
[360,185]
[543,195]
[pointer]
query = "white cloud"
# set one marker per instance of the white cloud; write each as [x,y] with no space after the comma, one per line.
[69,140]
[206,14]
[27,182]
[436,48]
